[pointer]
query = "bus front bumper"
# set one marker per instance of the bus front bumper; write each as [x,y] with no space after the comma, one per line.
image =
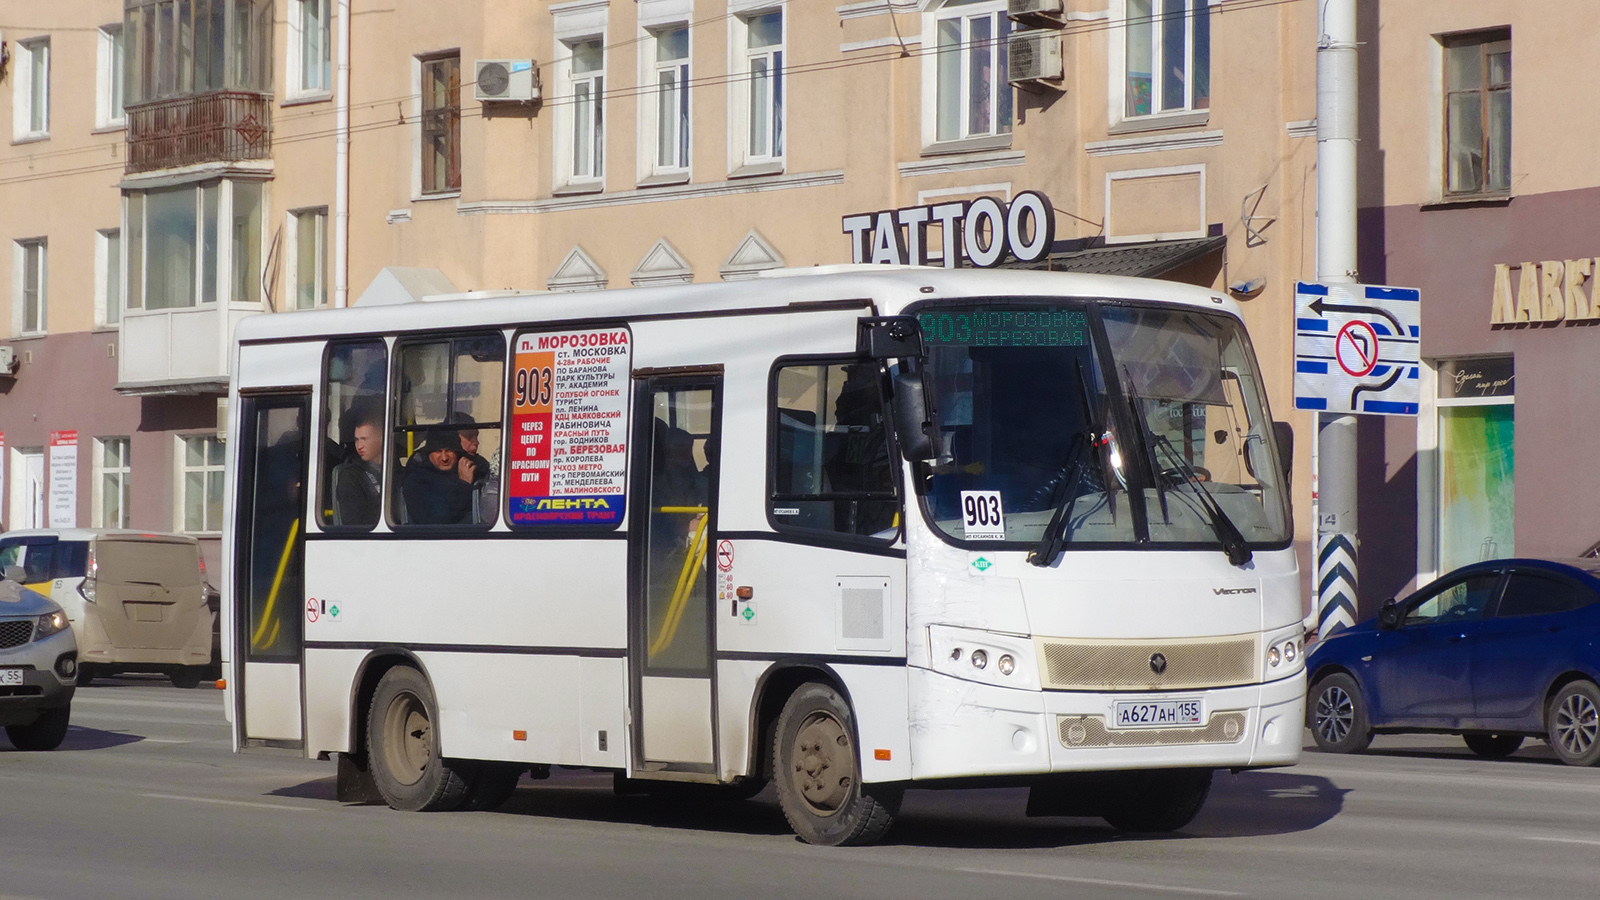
[964,729]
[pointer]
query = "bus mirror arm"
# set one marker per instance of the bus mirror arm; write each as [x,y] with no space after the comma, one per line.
[889,337]
[912,421]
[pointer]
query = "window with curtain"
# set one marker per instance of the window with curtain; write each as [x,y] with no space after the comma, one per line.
[764,50]
[672,98]
[586,86]
[973,96]
[1168,57]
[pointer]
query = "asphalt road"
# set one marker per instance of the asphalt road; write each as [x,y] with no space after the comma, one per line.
[146,800]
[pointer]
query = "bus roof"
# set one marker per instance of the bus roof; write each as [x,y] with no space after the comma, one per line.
[889,288]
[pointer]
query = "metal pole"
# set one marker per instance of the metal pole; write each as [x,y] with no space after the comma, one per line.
[1336,262]
[341,163]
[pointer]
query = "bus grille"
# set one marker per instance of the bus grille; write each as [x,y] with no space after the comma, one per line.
[15,632]
[1111,665]
[1091,731]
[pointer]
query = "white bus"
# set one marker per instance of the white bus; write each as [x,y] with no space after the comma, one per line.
[846,530]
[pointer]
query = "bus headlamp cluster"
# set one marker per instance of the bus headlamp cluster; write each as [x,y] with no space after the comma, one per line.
[1283,652]
[982,656]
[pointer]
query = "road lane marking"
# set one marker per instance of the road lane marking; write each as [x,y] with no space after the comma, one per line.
[1560,840]
[1104,882]
[229,802]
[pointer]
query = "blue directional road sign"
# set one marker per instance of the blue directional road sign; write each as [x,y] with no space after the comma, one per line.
[1357,348]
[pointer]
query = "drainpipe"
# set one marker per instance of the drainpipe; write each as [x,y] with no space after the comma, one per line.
[341,163]
[1335,461]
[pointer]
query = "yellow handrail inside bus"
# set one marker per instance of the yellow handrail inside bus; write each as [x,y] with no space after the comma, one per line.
[261,639]
[687,577]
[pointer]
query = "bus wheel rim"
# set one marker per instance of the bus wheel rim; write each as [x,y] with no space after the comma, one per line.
[409,744]
[824,764]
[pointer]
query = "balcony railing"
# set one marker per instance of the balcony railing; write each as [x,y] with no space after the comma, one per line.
[220,126]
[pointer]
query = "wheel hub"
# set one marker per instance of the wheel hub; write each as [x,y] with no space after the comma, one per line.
[1577,724]
[409,743]
[1335,714]
[823,769]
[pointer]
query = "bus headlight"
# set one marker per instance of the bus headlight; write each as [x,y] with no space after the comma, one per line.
[979,659]
[987,657]
[1273,656]
[1284,655]
[1006,664]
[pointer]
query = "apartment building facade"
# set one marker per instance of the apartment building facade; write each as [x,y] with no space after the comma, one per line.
[670,140]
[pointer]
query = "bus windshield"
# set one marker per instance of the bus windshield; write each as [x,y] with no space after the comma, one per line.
[1029,434]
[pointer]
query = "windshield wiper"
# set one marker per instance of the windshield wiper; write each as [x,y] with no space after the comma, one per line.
[1233,542]
[1054,538]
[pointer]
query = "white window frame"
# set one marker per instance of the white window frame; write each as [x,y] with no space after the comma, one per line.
[223,274]
[317,218]
[183,470]
[110,69]
[997,134]
[108,274]
[1117,84]
[23,111]
[741,57]
[651,70]
[571,116]
[297,46]
[97,505]
[20,325]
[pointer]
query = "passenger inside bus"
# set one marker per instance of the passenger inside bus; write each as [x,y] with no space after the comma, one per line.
[357,480]
[438,483]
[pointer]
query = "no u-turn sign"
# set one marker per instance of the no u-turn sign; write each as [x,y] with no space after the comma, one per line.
[1357,348]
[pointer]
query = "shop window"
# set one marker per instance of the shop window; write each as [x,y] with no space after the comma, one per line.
[446,435]
[440,122]
[972,93]
[1167,57]
[353,434]
[1477,460]
[832,470]
[1477,115]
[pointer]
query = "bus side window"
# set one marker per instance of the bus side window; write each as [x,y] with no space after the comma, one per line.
[447,431]
[831,469]
[352,435]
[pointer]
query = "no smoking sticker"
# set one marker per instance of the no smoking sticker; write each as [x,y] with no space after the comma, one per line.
[724,556]
[1357,348]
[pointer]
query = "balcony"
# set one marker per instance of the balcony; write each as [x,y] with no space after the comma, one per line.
[219,126]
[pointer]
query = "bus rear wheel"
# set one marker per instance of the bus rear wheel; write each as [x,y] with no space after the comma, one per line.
[403,746]
[818,773]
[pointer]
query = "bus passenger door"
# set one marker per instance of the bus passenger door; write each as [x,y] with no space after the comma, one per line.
[269,597]
[676,436]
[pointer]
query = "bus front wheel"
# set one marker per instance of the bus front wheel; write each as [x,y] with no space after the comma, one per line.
[403,746]
[1156,801]
[818,773]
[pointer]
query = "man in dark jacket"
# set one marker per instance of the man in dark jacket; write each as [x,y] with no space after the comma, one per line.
[438,485]
[357,480]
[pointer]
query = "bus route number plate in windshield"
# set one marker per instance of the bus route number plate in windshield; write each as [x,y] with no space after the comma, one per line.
[1157,713]
[982,518]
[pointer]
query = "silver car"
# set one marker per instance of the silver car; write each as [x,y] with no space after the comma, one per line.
[38,666]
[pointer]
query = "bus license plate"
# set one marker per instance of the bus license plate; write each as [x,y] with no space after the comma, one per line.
[1157,713]
[10,676]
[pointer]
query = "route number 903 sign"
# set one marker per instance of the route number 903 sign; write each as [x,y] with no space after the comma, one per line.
[982,517]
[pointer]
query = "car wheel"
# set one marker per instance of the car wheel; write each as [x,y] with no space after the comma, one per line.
[44,733]
[1493,746]
[1339,715]
[1573,721]
[1158,801]
[86,675]
[818,774]
[403,746]
[187,677]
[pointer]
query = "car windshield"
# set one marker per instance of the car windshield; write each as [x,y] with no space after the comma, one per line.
[1028,433]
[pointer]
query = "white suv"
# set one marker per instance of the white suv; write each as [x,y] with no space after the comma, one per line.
[38,666]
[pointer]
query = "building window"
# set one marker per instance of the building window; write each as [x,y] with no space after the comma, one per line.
[441,124]
[30,285]
[310,62]
[581,131]
[761,68]
[107,277]
[108,92]
[173,258]
[1478,113]
[971,87]
[671,113]
[112,469]
[200,484]
[31,90]
[1168,57]
[181,47]
[308,263]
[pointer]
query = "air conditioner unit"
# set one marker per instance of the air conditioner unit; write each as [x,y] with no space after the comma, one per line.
[509,80]
[1043,13]
[1035,58]
[8,362]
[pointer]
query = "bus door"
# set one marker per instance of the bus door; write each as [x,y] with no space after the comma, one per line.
[268,590]
[671,601]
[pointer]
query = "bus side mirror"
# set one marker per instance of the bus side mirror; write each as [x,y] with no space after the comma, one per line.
[1283,433]
[888,337]
[911,417]
[1389,614]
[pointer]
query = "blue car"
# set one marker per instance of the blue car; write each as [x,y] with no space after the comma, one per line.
[1497,652]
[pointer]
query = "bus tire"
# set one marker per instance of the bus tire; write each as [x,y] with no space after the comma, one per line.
[491,785]
[817,772]
[403,746]
[1157,801]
